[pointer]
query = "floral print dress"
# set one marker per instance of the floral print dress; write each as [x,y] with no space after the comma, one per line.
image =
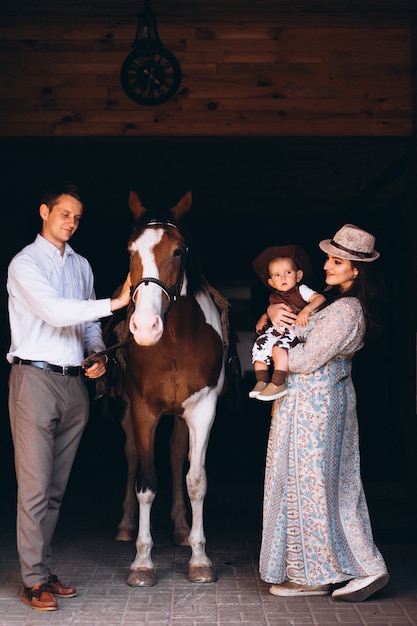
[316,526]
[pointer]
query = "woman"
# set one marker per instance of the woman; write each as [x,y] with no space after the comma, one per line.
[316,527]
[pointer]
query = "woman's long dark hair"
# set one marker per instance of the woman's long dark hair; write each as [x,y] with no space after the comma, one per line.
[370,290]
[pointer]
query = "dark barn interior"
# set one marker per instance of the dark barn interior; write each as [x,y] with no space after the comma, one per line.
[248,193]
[291,120]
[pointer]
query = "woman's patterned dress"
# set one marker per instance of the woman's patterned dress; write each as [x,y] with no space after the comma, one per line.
[316,526]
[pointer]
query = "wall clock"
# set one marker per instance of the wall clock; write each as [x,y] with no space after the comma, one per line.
[151,80]
[150,74]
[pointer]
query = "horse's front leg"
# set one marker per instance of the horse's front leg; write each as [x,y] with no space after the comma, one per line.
[199,417]
[127,525]
[142,571]
[178,454]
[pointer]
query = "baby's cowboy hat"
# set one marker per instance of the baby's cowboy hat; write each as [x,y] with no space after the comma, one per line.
[293,251]
[351,243]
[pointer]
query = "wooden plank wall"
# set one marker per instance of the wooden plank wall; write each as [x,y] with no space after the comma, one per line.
[276,76]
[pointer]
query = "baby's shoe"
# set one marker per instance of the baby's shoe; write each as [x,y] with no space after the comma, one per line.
[260,386]
[272,392]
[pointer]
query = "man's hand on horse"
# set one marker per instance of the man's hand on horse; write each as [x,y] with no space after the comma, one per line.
[123,298]
[97,369]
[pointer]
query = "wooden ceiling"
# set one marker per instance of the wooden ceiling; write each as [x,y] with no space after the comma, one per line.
[213,10]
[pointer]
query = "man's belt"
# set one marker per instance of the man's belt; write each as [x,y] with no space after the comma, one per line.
[66,370]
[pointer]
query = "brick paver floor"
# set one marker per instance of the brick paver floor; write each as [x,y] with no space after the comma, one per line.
[87,556]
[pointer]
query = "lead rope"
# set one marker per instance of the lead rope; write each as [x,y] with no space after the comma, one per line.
[95,356]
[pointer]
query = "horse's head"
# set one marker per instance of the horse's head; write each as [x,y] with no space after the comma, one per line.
[157,264]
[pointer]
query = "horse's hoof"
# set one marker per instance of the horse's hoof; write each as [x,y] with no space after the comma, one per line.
[181,539]
[141,578]
[201,574]
[123,535]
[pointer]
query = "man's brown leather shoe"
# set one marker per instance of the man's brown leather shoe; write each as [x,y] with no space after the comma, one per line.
[39,598]
[55,587]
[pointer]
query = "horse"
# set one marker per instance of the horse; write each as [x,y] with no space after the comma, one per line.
[175,365]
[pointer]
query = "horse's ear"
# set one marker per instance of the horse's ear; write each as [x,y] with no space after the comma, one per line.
[182,206]
[136,205]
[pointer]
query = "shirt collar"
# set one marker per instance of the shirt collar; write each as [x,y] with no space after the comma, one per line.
[50,249]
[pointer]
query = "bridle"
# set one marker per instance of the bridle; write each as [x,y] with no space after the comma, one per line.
[172,293]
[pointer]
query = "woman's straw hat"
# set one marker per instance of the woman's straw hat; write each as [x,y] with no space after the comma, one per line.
[351,243]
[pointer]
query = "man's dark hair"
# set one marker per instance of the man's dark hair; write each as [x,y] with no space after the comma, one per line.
[57,188]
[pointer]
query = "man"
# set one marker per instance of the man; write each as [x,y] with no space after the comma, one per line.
[54,323]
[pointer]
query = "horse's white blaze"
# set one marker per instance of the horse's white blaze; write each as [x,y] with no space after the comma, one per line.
[146,323]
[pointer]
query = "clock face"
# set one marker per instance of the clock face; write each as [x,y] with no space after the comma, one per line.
[151,80]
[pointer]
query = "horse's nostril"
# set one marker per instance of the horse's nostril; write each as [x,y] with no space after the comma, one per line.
[147,329]
[158,325]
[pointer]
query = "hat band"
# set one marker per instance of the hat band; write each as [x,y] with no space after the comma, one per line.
[360,255]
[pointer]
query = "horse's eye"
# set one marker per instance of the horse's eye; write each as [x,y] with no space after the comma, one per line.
[178,252]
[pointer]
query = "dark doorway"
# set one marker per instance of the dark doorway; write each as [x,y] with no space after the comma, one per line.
[248,193]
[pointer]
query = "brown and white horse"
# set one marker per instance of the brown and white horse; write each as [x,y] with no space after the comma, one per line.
[174,366]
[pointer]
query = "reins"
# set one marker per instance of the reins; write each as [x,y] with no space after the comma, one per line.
[95,356]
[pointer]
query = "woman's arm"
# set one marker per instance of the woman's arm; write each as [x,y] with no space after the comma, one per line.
[337,329]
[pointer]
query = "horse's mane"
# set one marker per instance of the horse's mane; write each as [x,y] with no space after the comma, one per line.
[195,278]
